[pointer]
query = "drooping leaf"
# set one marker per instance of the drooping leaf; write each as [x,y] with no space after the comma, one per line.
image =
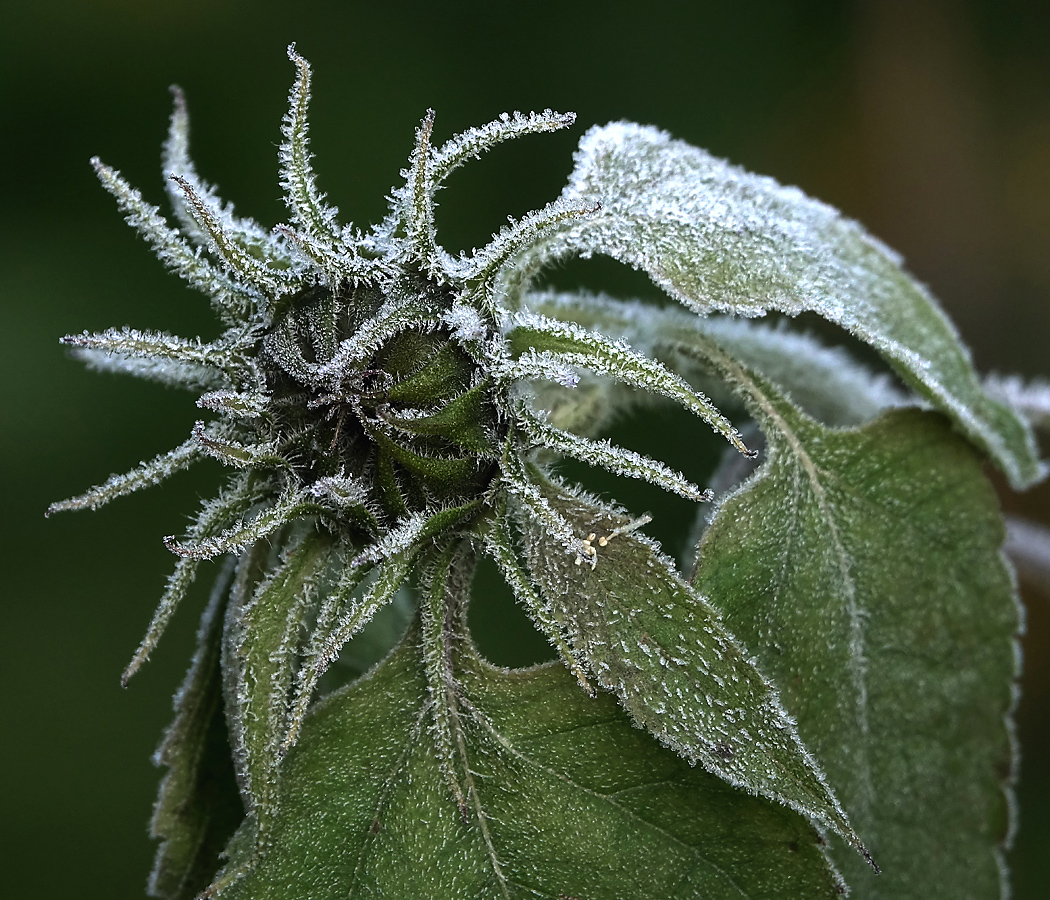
[863,568]
[199,806]
[662,650]
[718,238]
[575,803]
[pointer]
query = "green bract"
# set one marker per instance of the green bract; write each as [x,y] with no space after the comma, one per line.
[390,413]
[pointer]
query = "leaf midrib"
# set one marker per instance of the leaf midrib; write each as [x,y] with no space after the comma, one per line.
[689,850]
[857,664]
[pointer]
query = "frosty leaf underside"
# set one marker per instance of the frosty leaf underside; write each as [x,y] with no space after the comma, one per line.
[718,238]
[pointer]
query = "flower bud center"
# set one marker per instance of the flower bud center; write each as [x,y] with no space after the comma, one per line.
[411,417]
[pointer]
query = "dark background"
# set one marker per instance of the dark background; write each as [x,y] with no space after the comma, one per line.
[928,120]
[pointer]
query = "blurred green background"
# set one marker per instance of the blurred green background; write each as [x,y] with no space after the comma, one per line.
[928,120]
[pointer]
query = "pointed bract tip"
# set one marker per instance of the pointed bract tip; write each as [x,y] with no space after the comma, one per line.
[136,663]
[179,98]
[870,859]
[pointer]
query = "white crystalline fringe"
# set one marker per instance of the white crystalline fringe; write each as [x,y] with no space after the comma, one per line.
[534,364]
[609,456]
[128,343]
[261,720]
[340,618]
[175,160]
[233,300]
[397,314]
[485,264]
[233,540]
[499,547]
[185,376]
[397,540]
[235,404]
[1030,397]
[538,509]
[214,514]
[341,490]
[268,281]
[826,381]
[234,453]
[306,203]
[144,475]
[471,143]
[466,323]
[578,347]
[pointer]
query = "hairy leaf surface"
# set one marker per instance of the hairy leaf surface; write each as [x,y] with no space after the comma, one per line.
[718,238]
[864,569]
[660,647]
[575,803]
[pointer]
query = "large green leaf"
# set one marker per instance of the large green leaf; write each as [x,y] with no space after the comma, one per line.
[718,238]
[568,801]
[863,568]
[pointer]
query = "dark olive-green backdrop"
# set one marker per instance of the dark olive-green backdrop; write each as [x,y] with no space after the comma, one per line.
[929,120]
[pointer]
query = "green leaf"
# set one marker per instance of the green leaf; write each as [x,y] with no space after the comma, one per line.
[661,648]
[864,569]
[575,803]
[199,806]
[718,238]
